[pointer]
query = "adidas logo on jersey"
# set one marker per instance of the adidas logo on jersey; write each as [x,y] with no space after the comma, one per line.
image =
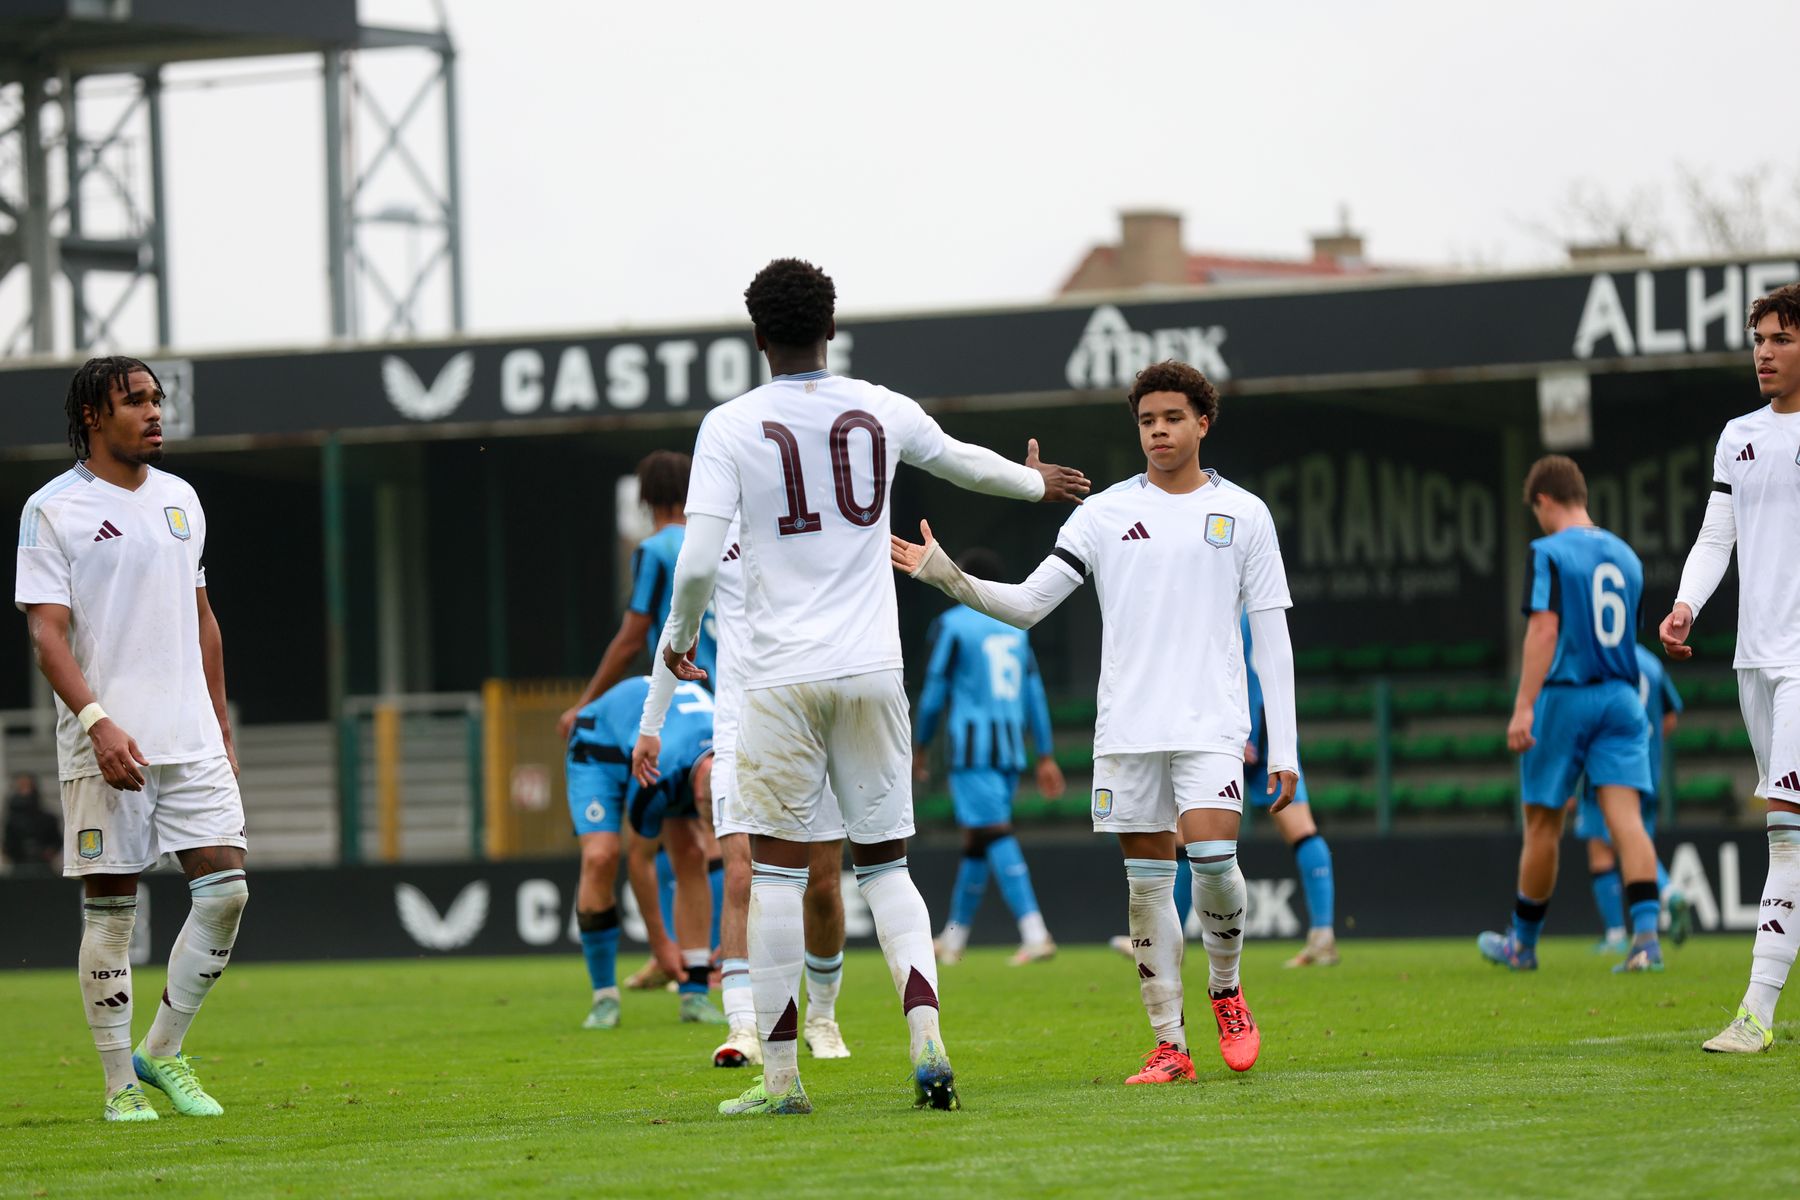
[107,532]
[1136,533]
[731,554]
[1790,781]
[1230,791]
[1747,454]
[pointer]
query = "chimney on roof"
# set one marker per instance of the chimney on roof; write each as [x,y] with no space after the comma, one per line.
[1150,248]
[1344,245]
[1620,249]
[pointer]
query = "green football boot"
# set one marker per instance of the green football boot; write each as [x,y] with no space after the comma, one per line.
[130,1104]
[696,1009]
[934,1083]
[174,1077]
[604,1014]
[1745,1035]
[757,1102]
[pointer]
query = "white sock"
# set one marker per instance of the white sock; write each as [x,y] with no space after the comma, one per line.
[1219,901]
[955,938]
[1157,944]
[199,957]
[106,953]
[736,996]
[1032,930]
[823,978]
[777,941]
[1778,935]
[903,925]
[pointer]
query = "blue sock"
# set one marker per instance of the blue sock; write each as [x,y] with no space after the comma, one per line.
[665,891]
[1008,861]
[715,875]
[1609,899]
[1184,890]
[1528,920]
[971,884]
[1313,857]
[1645,906]
[600,946]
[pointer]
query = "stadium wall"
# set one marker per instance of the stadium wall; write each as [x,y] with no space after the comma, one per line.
[1387,887]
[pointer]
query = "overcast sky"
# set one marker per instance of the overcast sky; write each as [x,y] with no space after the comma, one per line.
[635,164]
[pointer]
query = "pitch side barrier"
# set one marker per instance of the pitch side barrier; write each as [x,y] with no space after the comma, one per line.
[1448,886]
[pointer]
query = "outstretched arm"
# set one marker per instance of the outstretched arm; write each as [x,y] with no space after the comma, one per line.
[1018,604]
[981,470]
[1700,576]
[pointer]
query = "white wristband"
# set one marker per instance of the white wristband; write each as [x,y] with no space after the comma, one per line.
[91,716]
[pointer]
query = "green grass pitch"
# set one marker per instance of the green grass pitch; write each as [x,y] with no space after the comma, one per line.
[1412,1069]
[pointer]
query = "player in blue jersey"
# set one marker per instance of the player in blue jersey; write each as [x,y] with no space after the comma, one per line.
[983,685]
[1662,706]
[1295,823]
[602,797]
[1577,710]
[662,478]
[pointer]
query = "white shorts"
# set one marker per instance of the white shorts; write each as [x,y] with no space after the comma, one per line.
[1770,699]
[828,822]
[182,806]
[855,733]
[1147,793]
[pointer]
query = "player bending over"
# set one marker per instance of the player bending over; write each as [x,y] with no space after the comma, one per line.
[1662,706]
[1578,689]
[824,914]
[114,594]
[807,460]
[1175,553]
[987,673]
[1756,504]
[662,477]
[602,796]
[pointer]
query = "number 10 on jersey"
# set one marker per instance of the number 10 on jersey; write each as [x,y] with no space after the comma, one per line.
[799,519]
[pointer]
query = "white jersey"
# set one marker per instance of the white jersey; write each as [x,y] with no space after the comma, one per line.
[126,563]
[729,638]
[1172,573]
[1758,459]
[808,463]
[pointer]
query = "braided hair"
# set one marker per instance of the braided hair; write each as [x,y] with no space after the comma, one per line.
[91,389]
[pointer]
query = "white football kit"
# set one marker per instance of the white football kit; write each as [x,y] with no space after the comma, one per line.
[729,636]
[126,564]
[807,462]
[1756,504]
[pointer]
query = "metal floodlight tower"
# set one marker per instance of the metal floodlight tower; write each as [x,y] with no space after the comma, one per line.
[82,168]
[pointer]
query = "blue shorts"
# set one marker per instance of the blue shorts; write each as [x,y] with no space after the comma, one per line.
[1256,787]
[1590,822]
[602,795]
[983,797]
[1599,729]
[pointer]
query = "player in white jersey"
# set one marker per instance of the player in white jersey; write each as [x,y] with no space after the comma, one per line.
[114,594]
[824,917]
[808,460]
[1175,554]
[1755,503]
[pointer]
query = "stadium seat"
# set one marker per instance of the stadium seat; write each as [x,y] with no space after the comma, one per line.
[1694,741]
[1326,752]
[1424,749]
[1436,797]
[1469,700]
[1078,759]
[1495,794]
[1342,798]
[1419,701]
[1480,747]
[1356,702]
[1465,656]
[1720,693]
[1363,659]
[1363,752]
[1416,657]
[1715,645]
[935,807]
[1316,703]
[1705,791]
[1735,740]
[1314,660]
[1074,711]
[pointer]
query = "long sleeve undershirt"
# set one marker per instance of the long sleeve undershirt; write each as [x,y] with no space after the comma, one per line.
[1273,655]
[695,571]
[1711,554]
[1021,605]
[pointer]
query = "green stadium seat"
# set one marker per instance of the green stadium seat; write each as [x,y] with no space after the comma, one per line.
[1705,790]
[1078,759]
[1418,701]
[1342,797]
[1480,747]
[1074,712]
[1316,703]
[1029,806]
[1715,645]
[1466,656]
[1694,741]
[1416,657]
[1470,700]
[1314,660]
[1357,702]
[1364,658]
[1427,748]
[1326,752]
[1720,693]
[1494,794]
[1735,740]
[934,808]
[1363,752]
[1436,797]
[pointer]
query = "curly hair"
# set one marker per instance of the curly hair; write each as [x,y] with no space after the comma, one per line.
[1784,302]
[791,303]
[91,389]
[663,478]
[1556,476]
[1172,376]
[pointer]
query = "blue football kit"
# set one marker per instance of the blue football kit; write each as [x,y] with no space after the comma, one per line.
[602,792]
[1659,698]
[653,586]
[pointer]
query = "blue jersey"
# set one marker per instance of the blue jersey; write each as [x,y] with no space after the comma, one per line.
[1660,699]
[1594,583]
[985,671]
[607,729]
[653,586]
